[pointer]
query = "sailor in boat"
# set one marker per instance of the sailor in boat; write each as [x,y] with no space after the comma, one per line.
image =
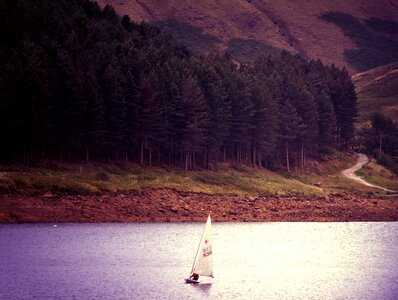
[195,277]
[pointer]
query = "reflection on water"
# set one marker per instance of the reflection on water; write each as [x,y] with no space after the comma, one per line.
[203,287]
[150,261]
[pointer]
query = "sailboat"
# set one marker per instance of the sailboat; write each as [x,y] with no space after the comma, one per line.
[203,263]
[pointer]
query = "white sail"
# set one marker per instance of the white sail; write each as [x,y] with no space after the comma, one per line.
[203,264]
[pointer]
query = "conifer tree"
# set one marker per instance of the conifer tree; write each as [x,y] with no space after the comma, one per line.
[114,112]
[264,124]
[290,126]
[327,123]
[308,111]
[241,114]
[219,111]
[195,119]
[150,118]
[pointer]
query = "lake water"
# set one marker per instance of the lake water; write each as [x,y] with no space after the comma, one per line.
[150,261]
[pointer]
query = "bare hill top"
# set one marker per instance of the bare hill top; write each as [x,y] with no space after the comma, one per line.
[357,34]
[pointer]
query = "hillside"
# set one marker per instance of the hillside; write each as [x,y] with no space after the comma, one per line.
[377,91]
[357,34]
[97,107]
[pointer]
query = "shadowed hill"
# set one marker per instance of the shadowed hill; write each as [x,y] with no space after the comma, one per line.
[314,29]
[373,46]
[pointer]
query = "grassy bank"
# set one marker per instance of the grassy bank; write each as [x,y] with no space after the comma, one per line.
[318,179]
[379,175]
[99,178]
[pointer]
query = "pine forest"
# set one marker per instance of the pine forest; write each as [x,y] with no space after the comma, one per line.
[80,83]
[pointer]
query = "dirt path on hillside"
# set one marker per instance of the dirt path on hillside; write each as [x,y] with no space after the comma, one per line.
[350,172]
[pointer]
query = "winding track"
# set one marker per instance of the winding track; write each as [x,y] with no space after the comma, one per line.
[350,172]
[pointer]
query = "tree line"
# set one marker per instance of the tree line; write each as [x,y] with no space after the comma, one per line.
[80,83]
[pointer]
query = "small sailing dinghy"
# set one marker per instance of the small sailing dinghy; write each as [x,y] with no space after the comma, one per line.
[203,263]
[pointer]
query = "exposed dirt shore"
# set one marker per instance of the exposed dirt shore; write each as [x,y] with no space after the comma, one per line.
[168,205]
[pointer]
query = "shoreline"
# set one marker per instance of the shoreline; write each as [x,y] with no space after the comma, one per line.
[169,205]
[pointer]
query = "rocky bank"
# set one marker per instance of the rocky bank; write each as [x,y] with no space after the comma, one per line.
[169,205]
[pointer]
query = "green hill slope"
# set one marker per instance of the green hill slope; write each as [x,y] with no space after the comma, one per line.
[377,91]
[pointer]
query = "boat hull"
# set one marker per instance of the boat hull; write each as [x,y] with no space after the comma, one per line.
[188,280]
